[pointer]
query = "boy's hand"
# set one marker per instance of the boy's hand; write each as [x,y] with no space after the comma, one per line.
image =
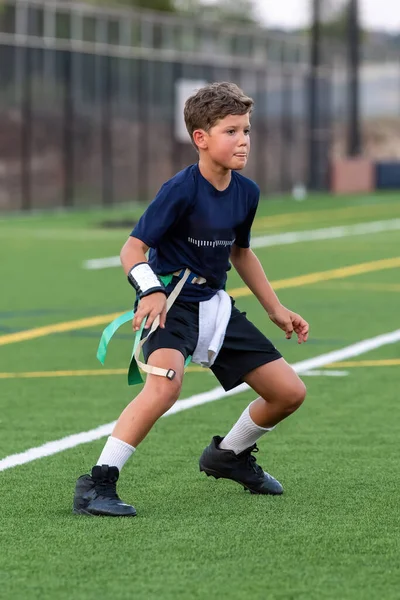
[289,322]
[151,306]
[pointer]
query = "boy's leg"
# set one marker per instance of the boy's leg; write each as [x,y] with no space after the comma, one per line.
[157,396]
[96,494]
[281,392]
[248,356]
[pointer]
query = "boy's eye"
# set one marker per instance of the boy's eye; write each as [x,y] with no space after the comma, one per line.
[233,131]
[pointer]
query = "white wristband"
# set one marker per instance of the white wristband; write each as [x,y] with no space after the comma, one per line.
[144,280]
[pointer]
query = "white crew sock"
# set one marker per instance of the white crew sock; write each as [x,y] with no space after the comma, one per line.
[243,434]
[115,453]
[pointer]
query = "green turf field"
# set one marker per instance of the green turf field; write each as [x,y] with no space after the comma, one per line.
[334,532]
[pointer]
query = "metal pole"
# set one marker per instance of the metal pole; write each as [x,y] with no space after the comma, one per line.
[106,98]
[68,131]
[287,132]
[107,154]
[24,80]
[313,95]
[353,30]
[26,129]
[144,100]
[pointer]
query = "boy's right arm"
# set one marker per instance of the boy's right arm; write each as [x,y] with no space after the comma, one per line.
[134,252]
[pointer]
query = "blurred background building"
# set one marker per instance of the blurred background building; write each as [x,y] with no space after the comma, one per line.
[91,95]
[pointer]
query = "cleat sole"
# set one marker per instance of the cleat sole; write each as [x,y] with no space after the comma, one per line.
[211,473]
[82,511]
[255,493]
[86,513]
[216,475]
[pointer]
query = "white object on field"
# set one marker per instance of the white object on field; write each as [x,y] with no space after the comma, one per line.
[299,192]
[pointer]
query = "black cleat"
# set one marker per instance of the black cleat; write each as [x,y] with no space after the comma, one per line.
[96,494]
[241,468]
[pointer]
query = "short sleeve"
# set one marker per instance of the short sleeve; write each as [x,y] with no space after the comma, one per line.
[243,230]
[170,204]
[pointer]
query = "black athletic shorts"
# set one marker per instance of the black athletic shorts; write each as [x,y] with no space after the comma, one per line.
[245,348]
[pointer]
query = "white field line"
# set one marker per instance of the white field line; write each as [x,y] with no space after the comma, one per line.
[102,263]
[217,393]
[328,233]
[325,373]
[280,239]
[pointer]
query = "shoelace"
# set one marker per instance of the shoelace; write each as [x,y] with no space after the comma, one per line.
[107,489]
[252,462]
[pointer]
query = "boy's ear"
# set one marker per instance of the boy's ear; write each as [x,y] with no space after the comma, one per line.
[200,138]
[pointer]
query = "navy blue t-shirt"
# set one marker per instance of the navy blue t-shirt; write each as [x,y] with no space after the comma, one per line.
[192,224]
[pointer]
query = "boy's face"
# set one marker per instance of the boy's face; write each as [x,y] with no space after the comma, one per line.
[227,142]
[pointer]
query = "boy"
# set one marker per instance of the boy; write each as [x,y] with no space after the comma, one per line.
[201,220]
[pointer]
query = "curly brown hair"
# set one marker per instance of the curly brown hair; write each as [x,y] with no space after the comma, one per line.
[214,102]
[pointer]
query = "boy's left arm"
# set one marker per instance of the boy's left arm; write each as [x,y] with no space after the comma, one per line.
[250,270]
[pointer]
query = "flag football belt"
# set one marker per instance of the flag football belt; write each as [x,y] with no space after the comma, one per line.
[134,377]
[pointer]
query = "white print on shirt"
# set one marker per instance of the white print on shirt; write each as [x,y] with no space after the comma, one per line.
[211,243]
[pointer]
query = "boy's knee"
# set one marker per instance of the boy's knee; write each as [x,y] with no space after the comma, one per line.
[291,396]
[301,393]
[295,396]
[167,390]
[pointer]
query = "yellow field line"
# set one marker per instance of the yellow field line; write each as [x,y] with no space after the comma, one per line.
[80,373]
[318,215]
[373,287]
[30,334]
[377,265]
[47,374]
[395,362]
[291,282]
[390,362]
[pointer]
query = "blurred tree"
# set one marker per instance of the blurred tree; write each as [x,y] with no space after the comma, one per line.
[161,5]
[335,16]
[228,11]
